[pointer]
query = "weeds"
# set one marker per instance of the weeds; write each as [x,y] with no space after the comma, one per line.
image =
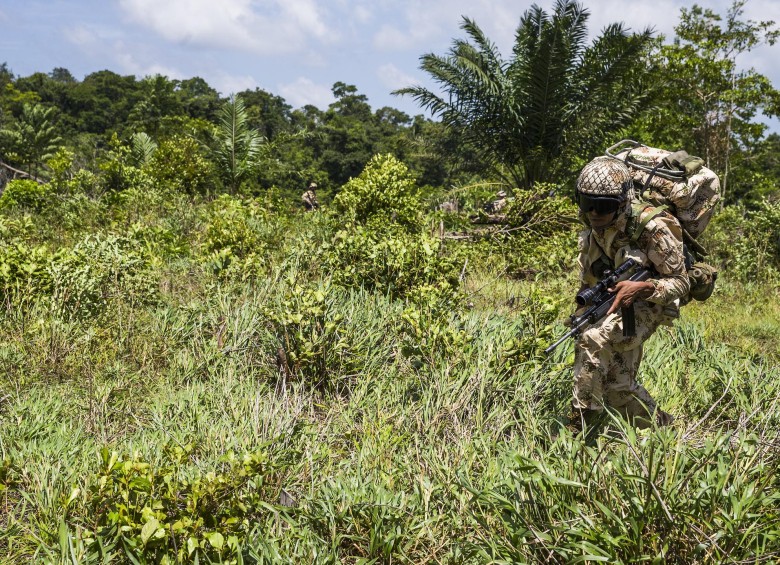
[333,393]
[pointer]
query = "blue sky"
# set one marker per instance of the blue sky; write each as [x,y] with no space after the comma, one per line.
[294,48]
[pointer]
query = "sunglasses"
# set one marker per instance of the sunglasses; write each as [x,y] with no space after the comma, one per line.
[602,205]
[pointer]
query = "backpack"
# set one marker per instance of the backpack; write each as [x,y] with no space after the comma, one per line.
[680,184]
[679,181]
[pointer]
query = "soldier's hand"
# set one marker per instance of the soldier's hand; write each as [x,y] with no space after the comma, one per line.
[628,292]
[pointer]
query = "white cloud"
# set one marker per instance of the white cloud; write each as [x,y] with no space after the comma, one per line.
[259,26]
[304,91]
[227,84]
[362,14]
[80,36]
[130,64]
[394,78]
[428,24]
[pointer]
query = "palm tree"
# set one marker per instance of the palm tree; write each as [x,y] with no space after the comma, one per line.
[32,138]
[239,147]
[555,98]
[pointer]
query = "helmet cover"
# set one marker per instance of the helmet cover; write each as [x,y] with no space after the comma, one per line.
[606,177]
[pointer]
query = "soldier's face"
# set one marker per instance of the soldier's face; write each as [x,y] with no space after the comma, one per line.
[600,220]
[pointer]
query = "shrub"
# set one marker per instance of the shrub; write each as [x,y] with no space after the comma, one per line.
[231,243]
[394,262]
[98,269]
[24,271]
[746,243]
[308,336]
[153,515]
[27,194]
[178,165]
[384,193]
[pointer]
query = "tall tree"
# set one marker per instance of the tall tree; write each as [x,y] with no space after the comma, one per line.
[32,138]
[708,104]
[239,147]
[556,97]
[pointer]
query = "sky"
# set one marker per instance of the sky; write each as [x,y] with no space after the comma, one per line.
[296,49]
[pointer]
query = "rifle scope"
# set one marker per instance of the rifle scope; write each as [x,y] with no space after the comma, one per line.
[586,296]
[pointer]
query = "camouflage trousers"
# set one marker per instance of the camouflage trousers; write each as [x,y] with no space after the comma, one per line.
[606,364]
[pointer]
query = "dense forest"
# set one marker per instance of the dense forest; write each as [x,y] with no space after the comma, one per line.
[194,368]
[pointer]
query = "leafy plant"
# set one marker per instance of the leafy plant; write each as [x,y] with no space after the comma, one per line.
[231,242]
[530,116]
[97,269]
[239,146]
[384,193]
[151,514]
[27,194]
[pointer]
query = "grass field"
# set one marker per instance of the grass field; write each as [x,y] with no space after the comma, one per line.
[159,406]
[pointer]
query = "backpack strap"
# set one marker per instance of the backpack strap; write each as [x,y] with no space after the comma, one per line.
[641,215]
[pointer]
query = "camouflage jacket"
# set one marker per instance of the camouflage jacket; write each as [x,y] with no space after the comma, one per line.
[309,200]
[660,246]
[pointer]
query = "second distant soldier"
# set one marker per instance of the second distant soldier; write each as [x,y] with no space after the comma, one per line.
[309,198]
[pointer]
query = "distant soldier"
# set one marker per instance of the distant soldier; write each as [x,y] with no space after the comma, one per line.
[497,205]
[309,198]
[449,206]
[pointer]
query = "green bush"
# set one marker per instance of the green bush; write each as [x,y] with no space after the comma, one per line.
[98,269]
[309,337]
[24,271]
[27,194]
[393,262]
[154,515]
[746,243]
[384,193]
[231,242]
[178,165]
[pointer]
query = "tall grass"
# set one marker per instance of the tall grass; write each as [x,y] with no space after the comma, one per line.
[278,418]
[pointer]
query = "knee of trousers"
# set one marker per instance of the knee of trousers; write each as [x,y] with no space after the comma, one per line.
[593,340]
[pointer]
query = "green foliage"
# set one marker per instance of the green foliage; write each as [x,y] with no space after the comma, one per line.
[142,147]
[98,269]
[154,515]
[530,116]
[746,243]
[61,165]
[432,327]
[117,171]
[231,242]
[238,147]
[670,517]
[384,193]
[23,271]
[309,338]
[388,261]
[707,103]
[178,165]
[27,195]
[32,138]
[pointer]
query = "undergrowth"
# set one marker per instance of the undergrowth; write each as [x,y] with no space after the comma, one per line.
[232,381]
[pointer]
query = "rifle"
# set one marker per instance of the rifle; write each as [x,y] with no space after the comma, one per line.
[600,300]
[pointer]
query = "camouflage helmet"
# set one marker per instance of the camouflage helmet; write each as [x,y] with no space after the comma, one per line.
[312,185]
[606,177]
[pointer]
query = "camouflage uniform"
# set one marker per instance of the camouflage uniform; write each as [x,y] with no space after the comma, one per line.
[309,198]
[606,363]
[496,206]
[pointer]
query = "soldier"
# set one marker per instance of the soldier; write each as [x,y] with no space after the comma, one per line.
[495,206]
[309,198]
[606,362]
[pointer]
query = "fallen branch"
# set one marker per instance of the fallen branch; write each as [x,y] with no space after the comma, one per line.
[21,174]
